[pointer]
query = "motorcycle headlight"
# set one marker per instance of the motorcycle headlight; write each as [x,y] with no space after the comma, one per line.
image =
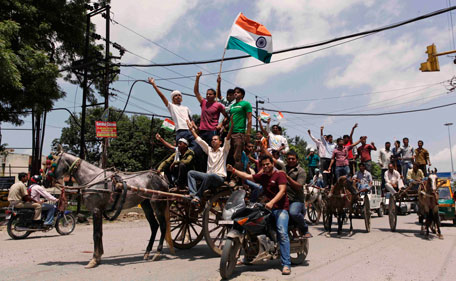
[227,214]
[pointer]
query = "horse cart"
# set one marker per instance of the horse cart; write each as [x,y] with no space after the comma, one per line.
[426,198]
[342,203]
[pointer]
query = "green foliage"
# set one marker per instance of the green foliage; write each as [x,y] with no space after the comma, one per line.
[376,171]
[36,38]
[299,145]
[130,151]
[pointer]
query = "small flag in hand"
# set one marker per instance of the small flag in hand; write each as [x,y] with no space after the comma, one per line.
[168,125]
[265,116]
[278,116]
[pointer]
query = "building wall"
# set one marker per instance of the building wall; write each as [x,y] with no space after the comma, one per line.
[12,164]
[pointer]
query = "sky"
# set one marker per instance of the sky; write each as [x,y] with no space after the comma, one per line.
[374,74]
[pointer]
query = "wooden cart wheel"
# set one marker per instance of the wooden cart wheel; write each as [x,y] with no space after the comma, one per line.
[367,213]
[392,212]
[186,224]
[312,213]
[215,233]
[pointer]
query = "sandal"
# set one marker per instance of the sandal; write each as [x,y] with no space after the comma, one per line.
[308,235]
[286,270]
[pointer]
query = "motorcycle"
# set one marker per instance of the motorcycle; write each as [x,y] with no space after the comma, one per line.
[20,222]
[253,231]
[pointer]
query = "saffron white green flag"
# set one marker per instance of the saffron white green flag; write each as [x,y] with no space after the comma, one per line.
[250,37]
[278,116]
[265,116]
[168,125]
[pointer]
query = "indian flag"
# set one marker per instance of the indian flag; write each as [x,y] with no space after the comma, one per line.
[250,37]
[265,116]
[168,125]
[278,116]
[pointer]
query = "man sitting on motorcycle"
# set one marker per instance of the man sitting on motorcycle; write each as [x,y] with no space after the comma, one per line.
[36,191]
[275,193]
[18,197]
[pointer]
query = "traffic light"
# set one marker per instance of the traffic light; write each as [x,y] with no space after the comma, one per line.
[432,63]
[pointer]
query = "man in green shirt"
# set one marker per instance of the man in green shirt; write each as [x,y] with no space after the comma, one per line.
[242,124]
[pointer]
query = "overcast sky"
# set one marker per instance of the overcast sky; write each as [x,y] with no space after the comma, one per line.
[378,73]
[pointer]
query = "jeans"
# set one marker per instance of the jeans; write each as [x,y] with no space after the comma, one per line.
[363,186]
[297,212]
[207,136]
[368,165]
[207,181]
[422,167]
[324,164]
[256,190]
[311,173]
[281,218]
[383,178]
[405,167]
[319,183]
[178,175]
[342,171]
[50,215]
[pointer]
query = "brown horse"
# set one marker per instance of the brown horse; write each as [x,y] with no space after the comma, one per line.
[98,198]
[429,207]
[339,200]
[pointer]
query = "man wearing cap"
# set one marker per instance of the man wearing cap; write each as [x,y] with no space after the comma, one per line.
[180,114]
[178,164]
[313,160]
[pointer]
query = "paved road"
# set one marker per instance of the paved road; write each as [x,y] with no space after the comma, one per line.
[379,255]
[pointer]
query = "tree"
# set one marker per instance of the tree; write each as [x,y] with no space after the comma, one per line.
[36,39]
[132,150]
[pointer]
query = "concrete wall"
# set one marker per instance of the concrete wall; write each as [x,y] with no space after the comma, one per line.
[12,164]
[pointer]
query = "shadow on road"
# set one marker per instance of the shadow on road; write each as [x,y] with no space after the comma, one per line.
[35,237]
[196,253]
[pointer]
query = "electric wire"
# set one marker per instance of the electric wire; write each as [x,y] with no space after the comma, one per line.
[312,45]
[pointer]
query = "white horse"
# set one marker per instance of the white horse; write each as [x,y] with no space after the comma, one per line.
[313,195]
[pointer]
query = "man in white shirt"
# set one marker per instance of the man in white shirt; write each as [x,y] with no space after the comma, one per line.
[36,192]
[180,115]
[384,159]
[329,145]
[393,180]
[216,165]
[407,157]
[277,142]
[320,147]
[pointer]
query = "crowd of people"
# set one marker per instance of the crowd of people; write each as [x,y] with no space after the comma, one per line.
[214,152]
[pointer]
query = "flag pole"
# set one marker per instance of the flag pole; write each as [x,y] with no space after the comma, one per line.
[221,62]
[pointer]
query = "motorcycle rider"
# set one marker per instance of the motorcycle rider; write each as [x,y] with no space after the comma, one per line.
[275,192]
[18,197]
[36,190]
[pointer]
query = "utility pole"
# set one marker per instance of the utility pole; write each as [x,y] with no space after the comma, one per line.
[256,111]
[84,89]
[107,15]
[451,152]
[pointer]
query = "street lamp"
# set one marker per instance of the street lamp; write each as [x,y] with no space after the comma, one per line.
[451,153]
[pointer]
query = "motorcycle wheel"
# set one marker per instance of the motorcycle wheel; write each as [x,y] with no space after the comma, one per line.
[11,228]
[299,258]
[229,257]
[65,224]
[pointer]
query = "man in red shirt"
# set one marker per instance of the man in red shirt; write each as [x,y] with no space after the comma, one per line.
[348,140]
[364,152]
[274,185]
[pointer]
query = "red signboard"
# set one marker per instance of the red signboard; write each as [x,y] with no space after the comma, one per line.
[106,129]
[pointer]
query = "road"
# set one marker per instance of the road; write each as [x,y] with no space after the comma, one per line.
[378,255]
